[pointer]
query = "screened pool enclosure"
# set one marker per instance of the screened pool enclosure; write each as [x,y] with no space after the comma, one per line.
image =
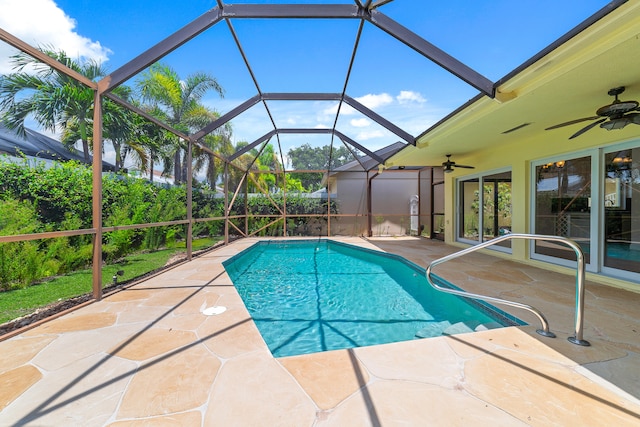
[256,187]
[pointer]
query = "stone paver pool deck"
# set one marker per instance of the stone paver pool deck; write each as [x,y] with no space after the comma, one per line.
[148,355]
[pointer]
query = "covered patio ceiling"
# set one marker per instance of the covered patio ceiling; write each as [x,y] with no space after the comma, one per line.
[340,37]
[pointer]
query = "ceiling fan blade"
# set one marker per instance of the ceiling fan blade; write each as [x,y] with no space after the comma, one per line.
[571,122]
[586,128]
[465,166]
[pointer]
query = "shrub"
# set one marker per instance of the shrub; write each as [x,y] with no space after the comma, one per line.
[20,262]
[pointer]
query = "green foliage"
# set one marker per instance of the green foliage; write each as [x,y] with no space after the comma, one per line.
[20,302]
[18,260]
[35,198]
[297,204]
[177,101]
[294,185]
[57,193]
[307,157]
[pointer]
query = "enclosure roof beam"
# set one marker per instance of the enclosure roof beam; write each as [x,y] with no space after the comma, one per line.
[347,99]
[380,120]
[43,57]
[251,146]
[274,96]
[249,68]
[432,52]
[380,3]
[369,153]
[340,135]
[174,41]
[291,11]
[304,131]
[226,117]
[364,12]
[305,97]
[146,115]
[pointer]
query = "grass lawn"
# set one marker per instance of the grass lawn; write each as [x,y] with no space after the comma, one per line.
[21,302]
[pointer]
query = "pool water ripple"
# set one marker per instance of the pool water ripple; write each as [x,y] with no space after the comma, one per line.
[318,295]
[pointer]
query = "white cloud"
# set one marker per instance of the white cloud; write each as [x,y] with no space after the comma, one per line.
[363,136]
[360,123]
[371,101]
[43,23]
[333,109]
[407,96]
[374,101]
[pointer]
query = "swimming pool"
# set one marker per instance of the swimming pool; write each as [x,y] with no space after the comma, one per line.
[307,296]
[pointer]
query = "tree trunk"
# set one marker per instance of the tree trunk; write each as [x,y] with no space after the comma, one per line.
[119,160]
[183,175]
[177,169]
[85,151]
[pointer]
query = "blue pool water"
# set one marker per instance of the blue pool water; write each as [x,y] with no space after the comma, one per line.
[316,295]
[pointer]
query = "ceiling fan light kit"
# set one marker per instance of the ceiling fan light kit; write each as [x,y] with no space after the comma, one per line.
[615,124]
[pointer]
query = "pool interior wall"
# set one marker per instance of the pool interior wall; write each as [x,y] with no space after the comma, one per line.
[307,296]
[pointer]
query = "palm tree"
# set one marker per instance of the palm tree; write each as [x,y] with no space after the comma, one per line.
[55,100]
[219,142]
[146,143]
[118,128]
[180,101]
[248,163]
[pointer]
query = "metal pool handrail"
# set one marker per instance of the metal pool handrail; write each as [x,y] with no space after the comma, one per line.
[580,274]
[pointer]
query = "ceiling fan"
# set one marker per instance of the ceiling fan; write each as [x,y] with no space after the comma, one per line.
[449,165]
[616,115]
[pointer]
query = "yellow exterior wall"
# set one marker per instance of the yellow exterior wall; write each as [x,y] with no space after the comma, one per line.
[518,157]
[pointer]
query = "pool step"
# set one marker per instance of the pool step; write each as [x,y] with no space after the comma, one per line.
[433,329]
[487,326]
[466,327]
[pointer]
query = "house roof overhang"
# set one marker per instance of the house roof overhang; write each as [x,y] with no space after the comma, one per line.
[567,82]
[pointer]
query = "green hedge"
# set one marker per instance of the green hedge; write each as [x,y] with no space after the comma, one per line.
[36,198]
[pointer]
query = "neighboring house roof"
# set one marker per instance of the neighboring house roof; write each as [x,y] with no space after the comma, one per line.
[34,144]
[367,162]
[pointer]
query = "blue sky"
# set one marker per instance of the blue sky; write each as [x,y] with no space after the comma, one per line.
[492,37]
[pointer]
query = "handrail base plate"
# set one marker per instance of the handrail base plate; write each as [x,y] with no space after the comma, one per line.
[544,333]
[574,340]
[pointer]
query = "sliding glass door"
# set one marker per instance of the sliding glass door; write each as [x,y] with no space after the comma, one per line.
[595,201]
[622,210]
[484,207]
[563,206]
